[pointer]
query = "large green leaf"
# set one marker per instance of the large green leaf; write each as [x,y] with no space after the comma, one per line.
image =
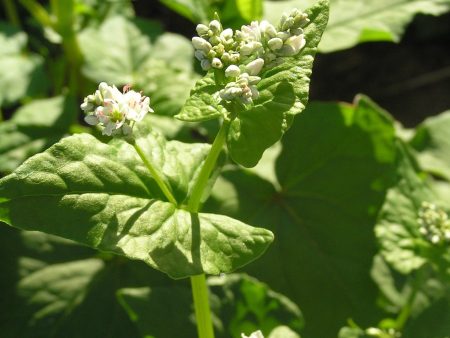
[432,142]
[22,73]
[54,288]
[33,128]
[398,229]
[240,304]
[103,196]
[283,94]
[233,13]
[124,51]
[356,21]
[433,323]
[337,160]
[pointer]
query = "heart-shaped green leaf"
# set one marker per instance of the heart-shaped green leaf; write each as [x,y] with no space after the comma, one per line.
[103,196]
[336,163]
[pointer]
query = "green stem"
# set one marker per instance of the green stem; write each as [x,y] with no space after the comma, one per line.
[405,312]
[208,167]
[1,115]
[38,12]
[11,12]
[158,179]
[202,310]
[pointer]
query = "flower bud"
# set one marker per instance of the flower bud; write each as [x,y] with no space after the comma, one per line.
[215,26]
[275,43]
[216,63]
[201,44]
[205,64]
[268,29]
[199,55]
[202,30]
[254,67]
[232,71]
[283,35]
[292,46]
[227,34]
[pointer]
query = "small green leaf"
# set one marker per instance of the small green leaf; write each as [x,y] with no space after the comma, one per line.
[33,128]
[398,228]
[103,196]
[432,143]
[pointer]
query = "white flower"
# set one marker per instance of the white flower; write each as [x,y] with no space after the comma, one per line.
[256,334]
[114,110]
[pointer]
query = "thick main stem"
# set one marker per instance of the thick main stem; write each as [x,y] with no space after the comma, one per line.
[208,167]
[158,179]
[199,287]
[202,310]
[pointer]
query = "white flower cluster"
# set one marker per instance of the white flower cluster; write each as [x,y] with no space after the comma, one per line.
[114,110]
[434,223]
[379,333]
[243,53]
[218,48]
[256,334]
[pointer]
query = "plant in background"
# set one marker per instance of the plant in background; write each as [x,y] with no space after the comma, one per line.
[139,195]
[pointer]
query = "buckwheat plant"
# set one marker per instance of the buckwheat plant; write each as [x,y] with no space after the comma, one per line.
[139,195]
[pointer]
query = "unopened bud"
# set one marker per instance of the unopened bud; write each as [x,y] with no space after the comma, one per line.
[275,43]
[216,63]
[202,44]
[215,26]
[254,67]
[202,29]
[232,71]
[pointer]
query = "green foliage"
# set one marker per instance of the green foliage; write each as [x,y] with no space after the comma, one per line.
[402,243]
[432,142]
[159,64]
[107,200]
[356,21]
[330,190]
[54,288]
[283,94]
[33,128]
[240,304]
[22,73]
[233,13]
